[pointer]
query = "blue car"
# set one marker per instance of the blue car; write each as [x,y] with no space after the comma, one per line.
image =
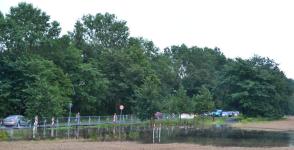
[217,113]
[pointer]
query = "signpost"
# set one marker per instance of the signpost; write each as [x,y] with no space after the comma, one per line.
[69,113]
[121,107]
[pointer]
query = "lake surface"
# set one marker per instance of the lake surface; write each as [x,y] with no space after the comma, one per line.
[214,135]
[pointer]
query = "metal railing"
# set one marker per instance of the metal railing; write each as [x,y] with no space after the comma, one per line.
[88,121]
[46,122]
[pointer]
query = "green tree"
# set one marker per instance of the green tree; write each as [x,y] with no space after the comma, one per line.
[147,98]
[178,103]
[126,70]
[50,91]
[197,67]
[203,102]
[256,87]
[290,104]
[26,28]
[11,95]
[2,25]
[90,88]
[32,85]
[102,31]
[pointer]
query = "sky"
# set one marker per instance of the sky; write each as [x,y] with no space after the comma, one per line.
[240,28]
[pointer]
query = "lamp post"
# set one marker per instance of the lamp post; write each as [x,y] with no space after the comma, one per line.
[69,113]
[121,107]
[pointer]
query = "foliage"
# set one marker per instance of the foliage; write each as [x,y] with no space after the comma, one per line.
[90,87]
[147,98]
[102,31]
[203,102]
[3,135]
[256,87]
[179,102]
[36,86]
[98,67]
[26,28]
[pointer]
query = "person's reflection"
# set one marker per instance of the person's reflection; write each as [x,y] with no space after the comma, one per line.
[52,126]
[77,132]
[156,133]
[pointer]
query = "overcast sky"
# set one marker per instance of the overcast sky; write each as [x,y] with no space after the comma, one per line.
[240,28]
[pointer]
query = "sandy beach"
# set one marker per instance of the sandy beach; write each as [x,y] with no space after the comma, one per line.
[88,145]
[279,125]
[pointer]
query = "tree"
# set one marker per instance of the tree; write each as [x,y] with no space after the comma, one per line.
[26,28]
[102,31]
[90,88]
[290,104]
[256,87]
[179,102]
[203,102]
[150,50]
[126,69]
[147,98]
[33,86]
[2,25]
[197,67]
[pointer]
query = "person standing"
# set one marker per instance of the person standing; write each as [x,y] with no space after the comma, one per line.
[78,118]
[114,118]
[52,122]
[36,122]
[35,126]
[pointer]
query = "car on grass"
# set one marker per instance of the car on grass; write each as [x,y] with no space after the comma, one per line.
[15,121]
[217,113]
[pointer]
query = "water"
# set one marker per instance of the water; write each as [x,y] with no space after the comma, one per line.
[215,135]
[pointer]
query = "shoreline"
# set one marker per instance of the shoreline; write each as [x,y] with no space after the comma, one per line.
[285,125]
[88,145]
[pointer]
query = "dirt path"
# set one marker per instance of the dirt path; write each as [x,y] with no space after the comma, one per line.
[86,145]
[280,125]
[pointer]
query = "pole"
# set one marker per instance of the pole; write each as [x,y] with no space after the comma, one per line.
[120,115]
[69,114]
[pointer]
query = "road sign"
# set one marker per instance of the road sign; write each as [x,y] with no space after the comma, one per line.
[121,107]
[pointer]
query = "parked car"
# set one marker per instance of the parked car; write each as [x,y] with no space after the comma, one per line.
[217,113]
[226,114]
[187,116]
[230,113]
[15,121]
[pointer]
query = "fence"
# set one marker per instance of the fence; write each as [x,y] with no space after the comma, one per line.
[93,120]
[87,120]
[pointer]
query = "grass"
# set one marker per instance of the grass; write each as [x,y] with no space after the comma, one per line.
[3,136]
[203,121]
[246,120]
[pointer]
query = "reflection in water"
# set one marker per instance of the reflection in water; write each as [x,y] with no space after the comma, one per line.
[77,132]
[10,133]
[219,136]
[156,133]
[52,132]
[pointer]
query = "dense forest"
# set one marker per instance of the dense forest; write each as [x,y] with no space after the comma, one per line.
[98,66]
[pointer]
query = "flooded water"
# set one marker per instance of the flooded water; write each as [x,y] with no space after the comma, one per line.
[215,135]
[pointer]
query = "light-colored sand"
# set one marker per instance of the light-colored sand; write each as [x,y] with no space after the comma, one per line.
[280,125]
[86,145]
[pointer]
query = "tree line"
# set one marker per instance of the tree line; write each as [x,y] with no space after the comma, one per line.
[99,66]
